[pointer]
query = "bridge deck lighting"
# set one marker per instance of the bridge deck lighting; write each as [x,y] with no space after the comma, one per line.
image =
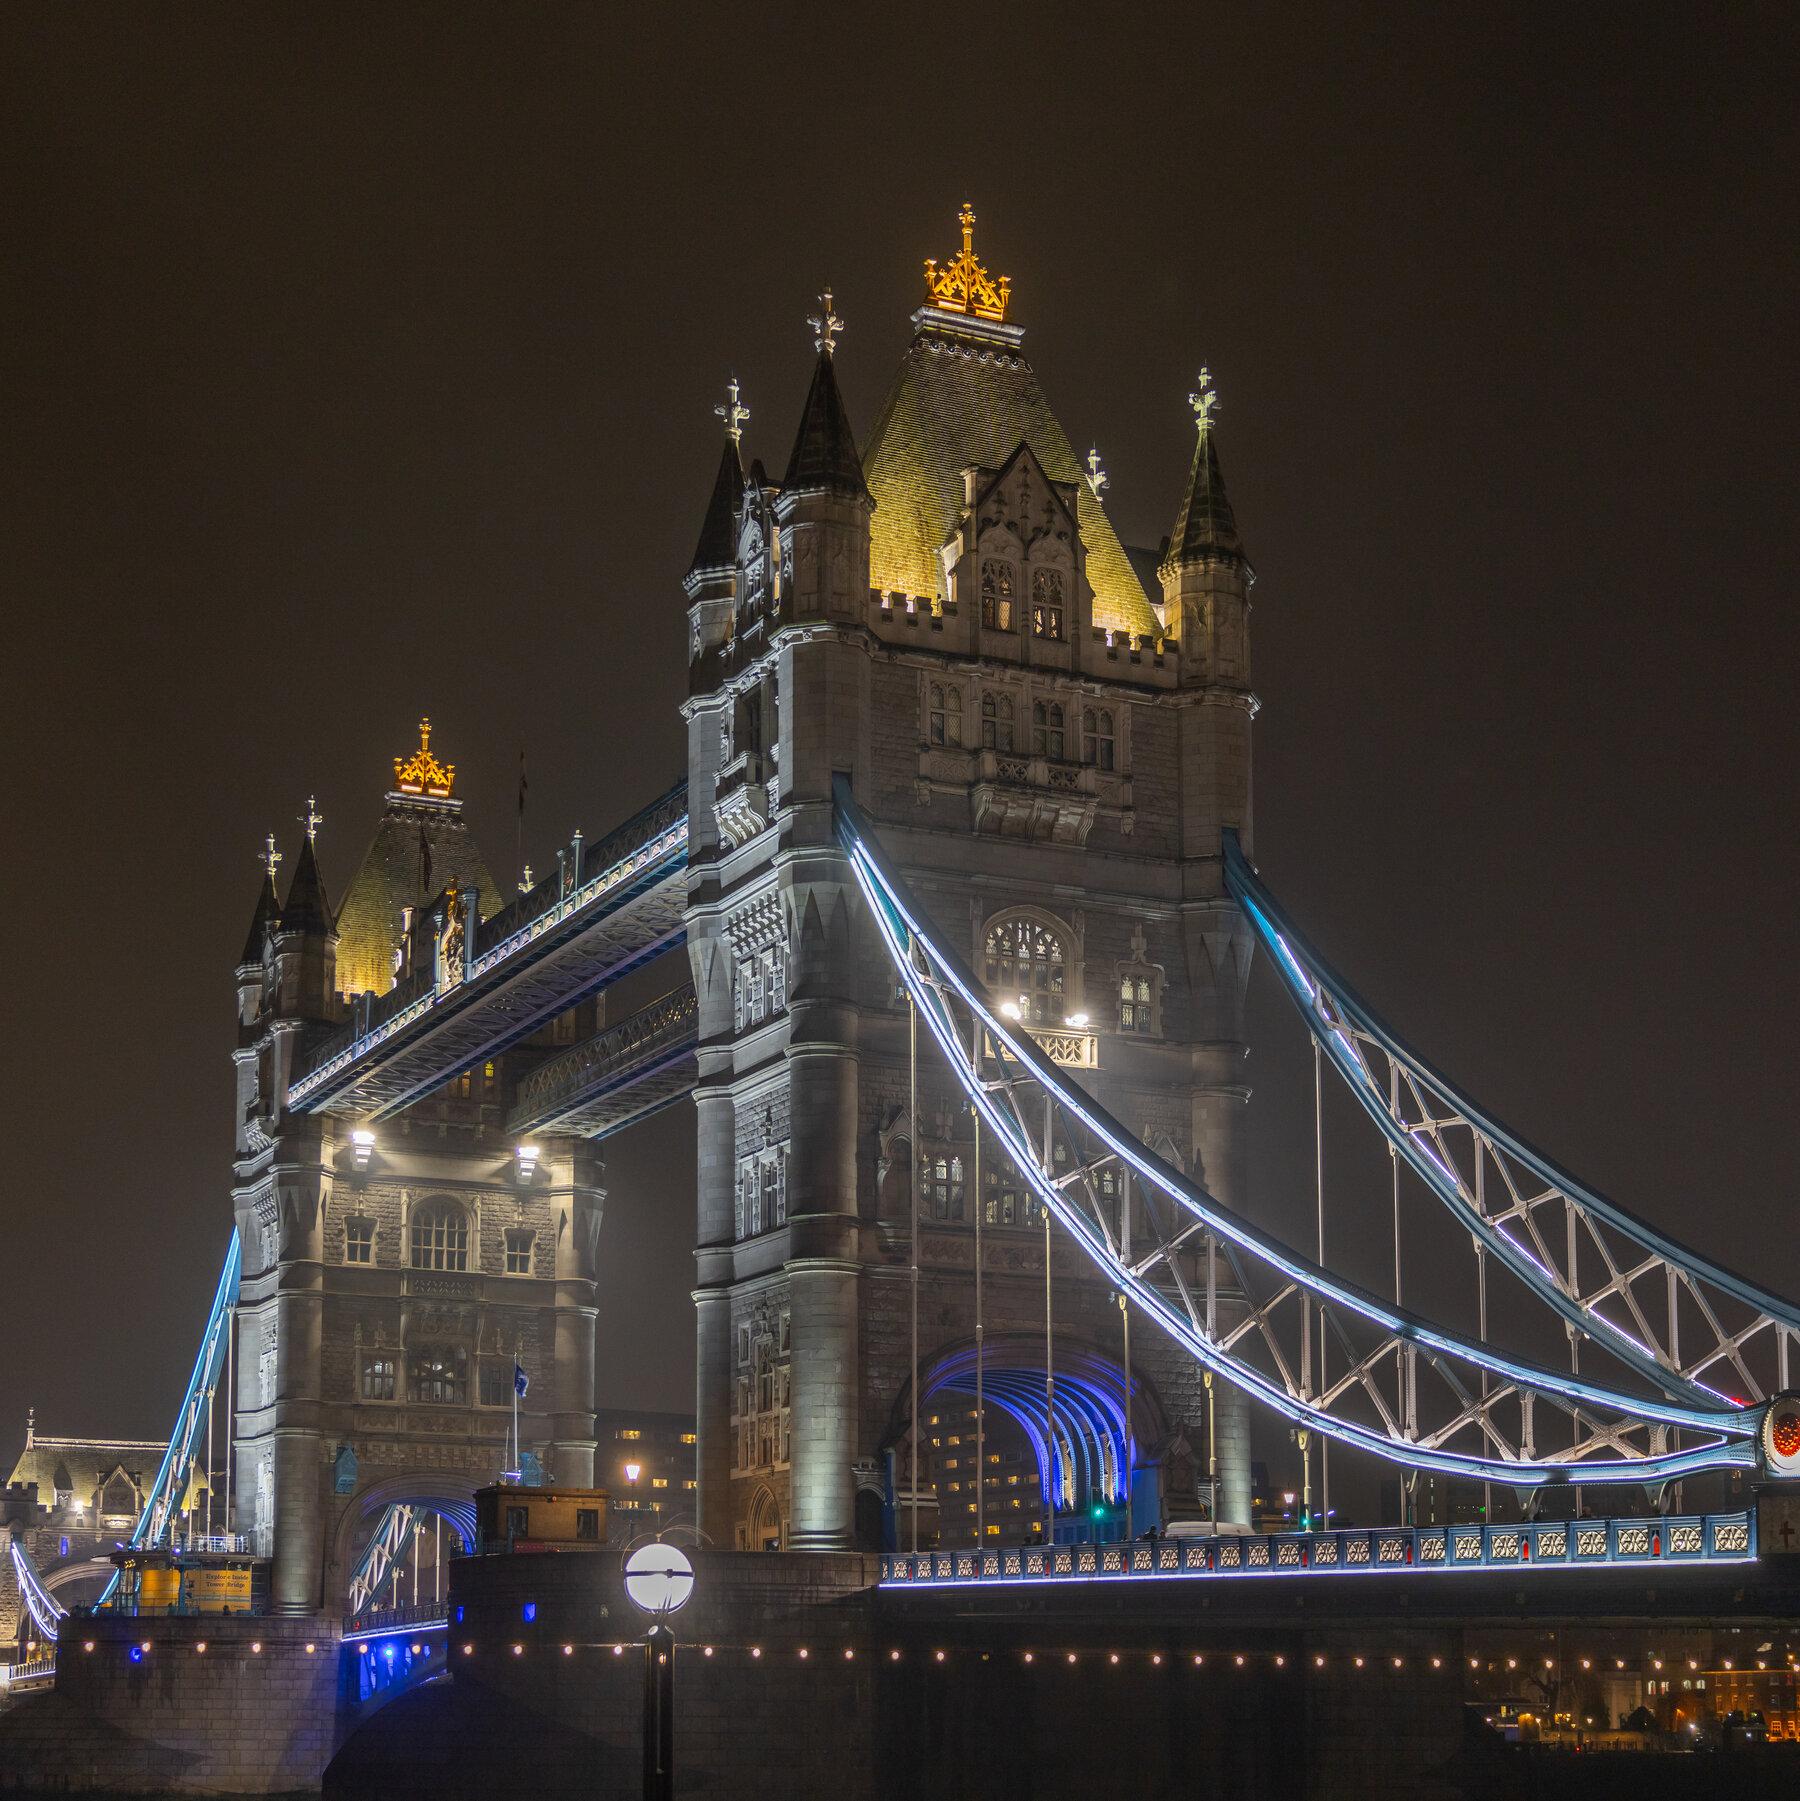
[145,1646]
[618,1650]
[1156,1657]
[1280,1662]
[756,1650]
[201,1646]
[1240,1661]
[256,1647]
[569,1651]
[895,1655]
[1319,1661]
[1199,1659]
[468,1650]
[1010,1009]
[310,1649]
[707,1651]
[88,1645]
[1078,1020]
[528,1160]
[1358,1662]
[803,1652]
[848,1654]
[1114,1657]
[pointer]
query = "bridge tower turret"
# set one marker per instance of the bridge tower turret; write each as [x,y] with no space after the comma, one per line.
[1206,580]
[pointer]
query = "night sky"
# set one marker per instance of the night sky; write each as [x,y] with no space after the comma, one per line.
[358,368]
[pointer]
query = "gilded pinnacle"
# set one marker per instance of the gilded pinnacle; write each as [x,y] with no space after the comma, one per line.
[269,857]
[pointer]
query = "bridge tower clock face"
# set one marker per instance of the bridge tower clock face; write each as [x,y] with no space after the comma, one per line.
[1781,1436]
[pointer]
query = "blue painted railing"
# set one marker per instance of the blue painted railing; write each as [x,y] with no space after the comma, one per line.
[1541,1545]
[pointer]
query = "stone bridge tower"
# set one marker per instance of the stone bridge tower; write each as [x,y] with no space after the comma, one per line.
[1050,730]
[398,1260]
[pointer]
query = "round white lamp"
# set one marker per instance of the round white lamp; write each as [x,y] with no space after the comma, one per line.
[658,1578]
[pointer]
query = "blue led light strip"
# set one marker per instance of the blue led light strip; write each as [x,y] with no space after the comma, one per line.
[1341,1023]
[161,1505]
[944,979]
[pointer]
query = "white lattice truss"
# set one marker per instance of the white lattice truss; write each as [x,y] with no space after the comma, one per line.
[1461,1406]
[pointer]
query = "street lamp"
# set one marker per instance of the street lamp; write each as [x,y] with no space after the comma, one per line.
[631,1476]
[659,1579]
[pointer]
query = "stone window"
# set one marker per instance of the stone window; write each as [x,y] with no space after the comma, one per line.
[490,1080]
[1024,964]
[1135,1012]
[461,1087]
[440,1373]
[378,1379]
[518,1251]
[359,1240]
[760,987]
[997,594]
[996,722]
[496,1383]
[1006,1198]
[1047,730]
[1097,737]
[587,1523]
[762,1193]
[944,725]
[1140,991]
[1046,603]
[440,1237]
[941,1188]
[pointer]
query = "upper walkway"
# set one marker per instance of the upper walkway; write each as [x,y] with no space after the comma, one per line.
[569,937]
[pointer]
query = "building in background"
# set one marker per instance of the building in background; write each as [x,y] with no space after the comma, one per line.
[661,1448]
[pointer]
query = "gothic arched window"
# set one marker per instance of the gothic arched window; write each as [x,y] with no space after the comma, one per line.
[440,1237]
[1047,730]
[1024,962]
[1097,737]
[997,595]
[945,722]
[1046,603]
[996,722]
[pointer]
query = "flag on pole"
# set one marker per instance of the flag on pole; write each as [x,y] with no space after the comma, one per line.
[521,1381]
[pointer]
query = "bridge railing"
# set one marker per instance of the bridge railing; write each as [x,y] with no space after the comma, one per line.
[374,1621]
[669,1021]
[38,1672]
[1537,1545]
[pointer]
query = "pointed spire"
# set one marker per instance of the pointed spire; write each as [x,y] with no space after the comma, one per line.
[1205,527]
[268,911]
[825,458]
[307,908]
[718,536]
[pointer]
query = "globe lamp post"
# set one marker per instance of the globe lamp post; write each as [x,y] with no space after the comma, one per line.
[659,1579]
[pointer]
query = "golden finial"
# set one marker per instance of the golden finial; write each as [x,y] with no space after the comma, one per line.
[422,773]
[964,286]
[734,415]
[269,857]
[312,819]
[826,326]
[1205,402]
[1096,476]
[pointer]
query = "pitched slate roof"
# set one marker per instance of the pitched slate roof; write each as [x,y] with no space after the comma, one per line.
[268,910]
[392,877]
[718,536]
[824,457]
[307,909]
[1206,525]
[956,403]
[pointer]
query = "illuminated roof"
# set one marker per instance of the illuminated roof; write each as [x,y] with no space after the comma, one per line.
[965,395]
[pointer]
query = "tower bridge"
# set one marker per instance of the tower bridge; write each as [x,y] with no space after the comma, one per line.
[961,870]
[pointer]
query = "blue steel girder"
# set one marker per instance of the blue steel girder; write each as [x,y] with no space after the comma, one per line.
[628,914]
[1580,1253]
[1064,1144]
[617,1077]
